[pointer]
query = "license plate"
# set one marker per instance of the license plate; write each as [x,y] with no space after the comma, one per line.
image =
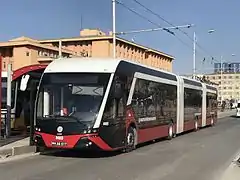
[59,144]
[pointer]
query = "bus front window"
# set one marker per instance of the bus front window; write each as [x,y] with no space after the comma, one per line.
[74,96]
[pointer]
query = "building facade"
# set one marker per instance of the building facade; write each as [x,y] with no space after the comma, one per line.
[228,85]
[91,43]
[232,67]
[24,51]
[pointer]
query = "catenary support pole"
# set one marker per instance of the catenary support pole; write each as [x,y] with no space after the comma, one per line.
[114,26]
[9,97]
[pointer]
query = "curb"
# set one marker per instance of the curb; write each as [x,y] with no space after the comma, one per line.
[15,151]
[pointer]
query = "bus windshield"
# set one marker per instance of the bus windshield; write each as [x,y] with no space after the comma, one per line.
[71,95]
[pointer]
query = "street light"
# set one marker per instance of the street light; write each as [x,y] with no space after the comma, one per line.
[194,50]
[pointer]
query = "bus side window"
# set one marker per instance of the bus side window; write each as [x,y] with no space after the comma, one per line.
[115,107]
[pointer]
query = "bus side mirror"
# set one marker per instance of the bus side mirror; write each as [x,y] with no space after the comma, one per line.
[118,91]
[24,82]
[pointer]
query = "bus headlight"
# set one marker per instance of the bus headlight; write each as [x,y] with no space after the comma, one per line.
[37,129]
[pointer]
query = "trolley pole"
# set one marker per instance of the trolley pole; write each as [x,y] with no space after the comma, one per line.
[9,97]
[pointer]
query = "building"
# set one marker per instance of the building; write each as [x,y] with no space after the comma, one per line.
[228,85]
[24,51]
[91,43]
[232,67]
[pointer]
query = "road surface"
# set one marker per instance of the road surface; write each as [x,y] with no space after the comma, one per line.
[201,155]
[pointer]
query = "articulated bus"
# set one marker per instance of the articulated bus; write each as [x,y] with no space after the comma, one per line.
[112,104]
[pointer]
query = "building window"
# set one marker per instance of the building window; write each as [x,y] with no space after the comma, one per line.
[230,77]
[4,65]
[27,53]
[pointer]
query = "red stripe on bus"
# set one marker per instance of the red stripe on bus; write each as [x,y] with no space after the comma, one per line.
[149,134]
[71,140]
[189,125]
[100,143]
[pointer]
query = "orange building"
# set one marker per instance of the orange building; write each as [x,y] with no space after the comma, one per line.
[91,43]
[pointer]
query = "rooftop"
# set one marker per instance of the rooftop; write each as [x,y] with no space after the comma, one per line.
[99,35]
[20,41]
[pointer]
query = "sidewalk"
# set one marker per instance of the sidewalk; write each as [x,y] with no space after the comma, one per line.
[16,148]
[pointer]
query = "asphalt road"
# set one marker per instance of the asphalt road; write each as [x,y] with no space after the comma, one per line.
[201,155]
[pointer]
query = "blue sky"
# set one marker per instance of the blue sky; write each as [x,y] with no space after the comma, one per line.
[61,18]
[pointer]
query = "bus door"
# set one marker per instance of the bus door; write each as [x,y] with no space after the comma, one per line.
[26,94]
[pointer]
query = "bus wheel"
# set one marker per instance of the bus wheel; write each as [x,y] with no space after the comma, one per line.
[41,149]
[212,122]
[131,139]
[196,125]
[171,134]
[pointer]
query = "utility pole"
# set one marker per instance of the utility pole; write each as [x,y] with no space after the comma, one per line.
[60,49]
[114,26]
[9,97]
[221,76]
[194,55]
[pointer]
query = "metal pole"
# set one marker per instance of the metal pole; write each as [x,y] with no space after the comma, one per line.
[9,97]
[0,96]
[32,93]
[194,55]
[60,49]
[114,26]
[221,58]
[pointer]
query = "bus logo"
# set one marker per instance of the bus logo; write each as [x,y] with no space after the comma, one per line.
[59,129]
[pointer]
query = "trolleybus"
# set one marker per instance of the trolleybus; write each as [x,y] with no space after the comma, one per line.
[111,104]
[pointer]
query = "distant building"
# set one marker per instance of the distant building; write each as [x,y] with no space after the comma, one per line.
[229,85]
[232,67]
[25,51]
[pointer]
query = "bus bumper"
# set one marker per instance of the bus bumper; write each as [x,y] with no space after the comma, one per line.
[86,141]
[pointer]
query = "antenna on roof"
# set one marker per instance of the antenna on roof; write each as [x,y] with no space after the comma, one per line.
[81,22]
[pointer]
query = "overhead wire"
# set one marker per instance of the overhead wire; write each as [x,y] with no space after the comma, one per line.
[163,19]
[156,24]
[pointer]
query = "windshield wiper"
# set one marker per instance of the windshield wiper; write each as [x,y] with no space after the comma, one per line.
[72,117]
[59,117]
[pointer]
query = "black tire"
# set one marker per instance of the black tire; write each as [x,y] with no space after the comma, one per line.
[131,139]
[212,122]
[196,125]
[171,133]
[41,149]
